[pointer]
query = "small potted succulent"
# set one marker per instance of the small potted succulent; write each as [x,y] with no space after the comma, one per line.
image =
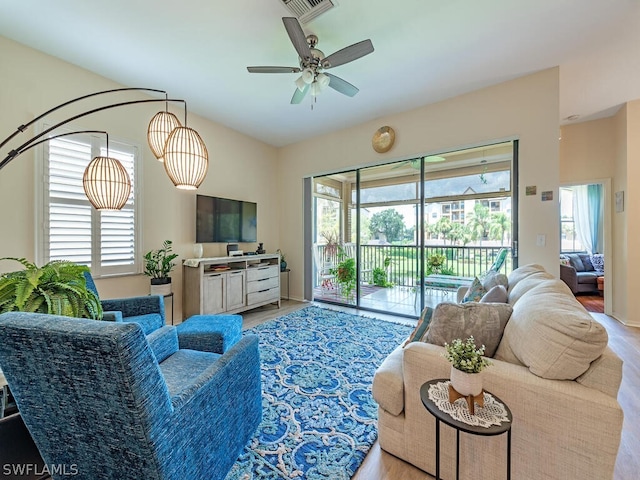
[158,264]
[467,363]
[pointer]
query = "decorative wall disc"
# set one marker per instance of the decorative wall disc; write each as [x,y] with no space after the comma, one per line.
[383,139]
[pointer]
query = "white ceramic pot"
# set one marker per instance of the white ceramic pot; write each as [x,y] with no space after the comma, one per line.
[162,289]
[197,250]
[466,383]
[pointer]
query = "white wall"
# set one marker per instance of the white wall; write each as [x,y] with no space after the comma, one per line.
[244,168]
[240,167]
[525,108]
[603,149]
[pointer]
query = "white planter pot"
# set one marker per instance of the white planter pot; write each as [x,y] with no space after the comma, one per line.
[466,383]
[164,289]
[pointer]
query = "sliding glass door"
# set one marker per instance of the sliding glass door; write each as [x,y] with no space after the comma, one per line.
[389,213]
[403,235]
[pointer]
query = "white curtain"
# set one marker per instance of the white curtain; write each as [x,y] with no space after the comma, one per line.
[588,216]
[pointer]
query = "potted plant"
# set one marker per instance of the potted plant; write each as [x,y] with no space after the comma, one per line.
[380,274]
[435,262]
[57,288]
[158,264]
[345,273]
[283,262]
[466,364]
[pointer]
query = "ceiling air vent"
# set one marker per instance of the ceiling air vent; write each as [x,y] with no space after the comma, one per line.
[307,10]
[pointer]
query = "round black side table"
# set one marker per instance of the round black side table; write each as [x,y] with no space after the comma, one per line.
[441,416]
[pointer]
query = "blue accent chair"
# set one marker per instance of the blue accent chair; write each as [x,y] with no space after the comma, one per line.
[108,402]
[148,310]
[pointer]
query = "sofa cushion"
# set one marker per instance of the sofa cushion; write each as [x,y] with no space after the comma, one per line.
[526,284]
[497,294]
[576,262]
[484,321]
[586,262]
[551,333]
[475,291]
[587,277]
[523,272]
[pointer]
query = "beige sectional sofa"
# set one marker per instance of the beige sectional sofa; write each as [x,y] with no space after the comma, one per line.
[552,368]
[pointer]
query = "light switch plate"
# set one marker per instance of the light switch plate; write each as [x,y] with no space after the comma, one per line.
[541,240]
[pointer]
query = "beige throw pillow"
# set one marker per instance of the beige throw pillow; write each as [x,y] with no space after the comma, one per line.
[497,294]
[484,321]
[493,278]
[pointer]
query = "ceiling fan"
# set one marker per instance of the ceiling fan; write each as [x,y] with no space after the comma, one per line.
[313,63]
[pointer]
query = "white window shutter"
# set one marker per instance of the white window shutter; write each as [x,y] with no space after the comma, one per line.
[105,241]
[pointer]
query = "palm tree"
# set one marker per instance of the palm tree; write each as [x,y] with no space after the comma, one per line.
[479,222]
[458,233]
[443,226]
[500,224]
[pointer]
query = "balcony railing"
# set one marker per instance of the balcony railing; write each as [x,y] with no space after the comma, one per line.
[404,261]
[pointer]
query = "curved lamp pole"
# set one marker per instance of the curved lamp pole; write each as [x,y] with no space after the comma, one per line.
[181,149]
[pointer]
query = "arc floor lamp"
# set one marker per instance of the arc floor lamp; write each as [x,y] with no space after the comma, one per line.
[106,182]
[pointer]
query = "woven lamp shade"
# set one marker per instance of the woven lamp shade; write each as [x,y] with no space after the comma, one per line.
[160,126]
[106,183]
[186,159]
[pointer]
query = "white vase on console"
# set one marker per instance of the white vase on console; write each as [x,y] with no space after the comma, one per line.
[197,250]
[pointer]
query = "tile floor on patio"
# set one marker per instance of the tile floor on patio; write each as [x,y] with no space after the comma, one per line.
[398,300]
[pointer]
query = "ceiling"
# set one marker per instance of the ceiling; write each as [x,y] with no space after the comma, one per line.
[425,51]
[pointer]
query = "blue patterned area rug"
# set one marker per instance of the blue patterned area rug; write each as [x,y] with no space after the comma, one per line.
[319,417]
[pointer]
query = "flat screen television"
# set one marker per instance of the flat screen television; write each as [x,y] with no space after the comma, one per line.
[224,220]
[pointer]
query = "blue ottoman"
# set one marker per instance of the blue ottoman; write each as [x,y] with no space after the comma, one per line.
[210,333]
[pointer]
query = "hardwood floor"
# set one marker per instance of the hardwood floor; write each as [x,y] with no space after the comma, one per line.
[625,341]
[593,303]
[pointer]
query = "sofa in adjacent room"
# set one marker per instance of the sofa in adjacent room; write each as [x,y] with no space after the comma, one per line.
[552,367]
[581,271]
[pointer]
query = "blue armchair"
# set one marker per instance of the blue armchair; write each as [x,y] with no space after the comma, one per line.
[105,401]
[146,310]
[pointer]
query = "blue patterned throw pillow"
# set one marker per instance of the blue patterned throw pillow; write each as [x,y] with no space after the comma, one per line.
[597,260]
[475,293]
[421,328]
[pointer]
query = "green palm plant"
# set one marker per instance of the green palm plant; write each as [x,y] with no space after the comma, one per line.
[499,225]
[58,288]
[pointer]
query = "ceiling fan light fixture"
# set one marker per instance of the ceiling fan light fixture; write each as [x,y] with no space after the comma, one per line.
[434,159]
[307,76]
[323,81]
[301,84]
[315,89]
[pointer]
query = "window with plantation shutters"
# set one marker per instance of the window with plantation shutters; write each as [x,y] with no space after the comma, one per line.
[72,229]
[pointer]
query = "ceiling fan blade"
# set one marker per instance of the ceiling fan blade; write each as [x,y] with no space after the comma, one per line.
[341,85]
[273,69]
[299,95]
[297,36]
[348,54]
